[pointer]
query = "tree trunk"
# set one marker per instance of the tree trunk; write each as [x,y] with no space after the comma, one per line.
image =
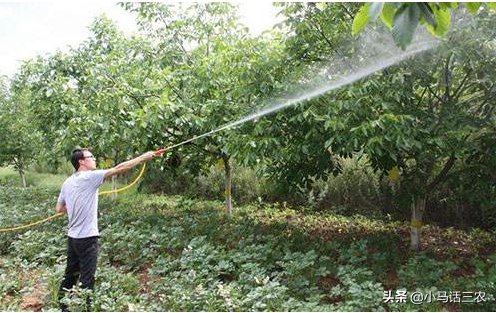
[23,178]
[418,207]
[227,168]
[113,196]
[20,169]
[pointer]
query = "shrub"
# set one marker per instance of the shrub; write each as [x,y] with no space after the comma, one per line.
[357,290]
[356,190]
[209,185]
[424,272]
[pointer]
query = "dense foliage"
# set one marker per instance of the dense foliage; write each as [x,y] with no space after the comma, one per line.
[421,130]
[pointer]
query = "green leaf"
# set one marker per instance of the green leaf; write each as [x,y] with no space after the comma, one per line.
[443,20]
[329,142]
[448,5]
[473,6]
[491,6]
[427,14]
[395,5]
[387,15]
[375,10]
[404,24]
[361,19]
[322,5]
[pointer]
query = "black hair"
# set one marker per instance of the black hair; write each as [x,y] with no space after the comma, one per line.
[77,154]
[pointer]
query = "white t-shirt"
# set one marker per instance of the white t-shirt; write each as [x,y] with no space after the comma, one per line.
[80,195]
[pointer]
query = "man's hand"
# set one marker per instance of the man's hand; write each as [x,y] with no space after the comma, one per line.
[148,155]
[60,208]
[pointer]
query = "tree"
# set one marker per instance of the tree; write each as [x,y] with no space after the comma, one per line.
[20,141]
[421,126]
[287,146]
[414,119]
[210,71]
[92,96]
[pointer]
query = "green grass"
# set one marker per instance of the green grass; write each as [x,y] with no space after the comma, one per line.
[42,180]
[6,172]
[8,176]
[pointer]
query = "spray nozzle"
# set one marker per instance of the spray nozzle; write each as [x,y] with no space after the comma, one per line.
[160,151]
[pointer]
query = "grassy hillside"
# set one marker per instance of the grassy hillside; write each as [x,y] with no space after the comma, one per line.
[172,253]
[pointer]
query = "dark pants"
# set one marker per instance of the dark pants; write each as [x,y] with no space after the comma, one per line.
[82,256]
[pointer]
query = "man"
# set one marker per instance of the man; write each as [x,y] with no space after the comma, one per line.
[79,198]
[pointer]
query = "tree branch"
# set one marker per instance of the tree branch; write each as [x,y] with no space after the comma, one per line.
[347,11]
[422,96]
[439,100]
[442,175]
[174,90]
[458,90]
[329,43]
[447,95]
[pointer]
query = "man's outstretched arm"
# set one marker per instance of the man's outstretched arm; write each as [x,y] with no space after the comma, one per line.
[126,166]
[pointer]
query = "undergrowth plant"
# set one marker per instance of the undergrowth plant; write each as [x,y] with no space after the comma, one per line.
[161,253]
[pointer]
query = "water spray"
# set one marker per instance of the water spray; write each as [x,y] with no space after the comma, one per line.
[341,82]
